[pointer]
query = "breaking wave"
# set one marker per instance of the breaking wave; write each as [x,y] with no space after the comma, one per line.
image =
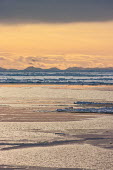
[74,78]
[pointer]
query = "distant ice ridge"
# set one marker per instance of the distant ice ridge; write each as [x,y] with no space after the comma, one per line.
[86,107]
[88,110]
[91,103]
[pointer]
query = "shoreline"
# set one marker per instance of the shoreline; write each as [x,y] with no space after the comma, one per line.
[39,102]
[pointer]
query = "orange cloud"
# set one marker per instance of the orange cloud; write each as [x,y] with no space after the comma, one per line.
[59,45]
[61,62]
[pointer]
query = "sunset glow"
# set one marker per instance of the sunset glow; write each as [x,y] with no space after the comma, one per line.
[62,45]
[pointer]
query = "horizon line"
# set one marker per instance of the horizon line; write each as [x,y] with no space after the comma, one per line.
[30,68]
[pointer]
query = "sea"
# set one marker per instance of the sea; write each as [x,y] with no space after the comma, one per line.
[64,77]
[91,78]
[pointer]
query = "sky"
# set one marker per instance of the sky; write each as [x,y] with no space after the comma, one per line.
[56,33]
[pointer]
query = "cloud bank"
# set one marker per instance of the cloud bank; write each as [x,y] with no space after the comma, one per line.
[55,11]
[61,62]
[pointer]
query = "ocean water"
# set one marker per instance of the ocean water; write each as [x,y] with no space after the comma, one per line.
[63,77]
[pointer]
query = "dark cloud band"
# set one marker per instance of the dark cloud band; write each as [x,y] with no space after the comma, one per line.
[55,11]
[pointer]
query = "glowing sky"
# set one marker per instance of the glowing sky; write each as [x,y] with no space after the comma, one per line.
[56,33]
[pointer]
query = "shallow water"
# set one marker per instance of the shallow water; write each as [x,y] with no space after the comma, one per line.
[53,94]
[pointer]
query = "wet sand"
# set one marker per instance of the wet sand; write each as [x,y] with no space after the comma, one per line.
[29,114]
[34,136]
[86,144]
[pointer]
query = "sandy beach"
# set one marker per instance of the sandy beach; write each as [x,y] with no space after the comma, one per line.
[34,136]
